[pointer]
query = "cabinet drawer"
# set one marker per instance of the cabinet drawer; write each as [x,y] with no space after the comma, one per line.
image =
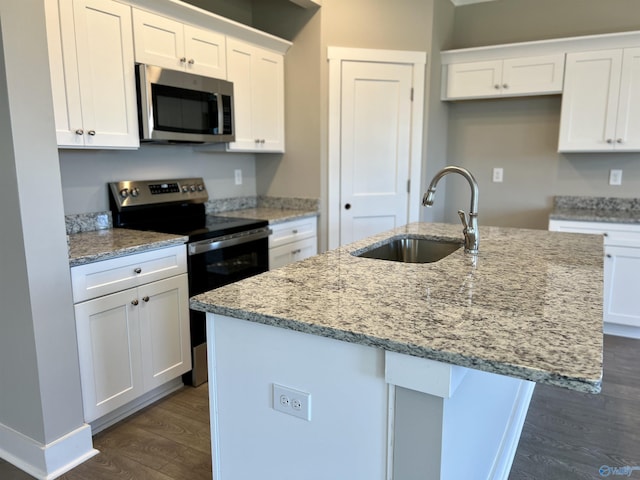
[619,234]
[109,276]
[292,252]
[292,231]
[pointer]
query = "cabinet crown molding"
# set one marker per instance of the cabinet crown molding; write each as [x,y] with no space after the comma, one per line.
[186,13]
[542,47]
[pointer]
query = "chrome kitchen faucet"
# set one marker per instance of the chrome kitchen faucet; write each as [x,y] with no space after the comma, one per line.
[471,233]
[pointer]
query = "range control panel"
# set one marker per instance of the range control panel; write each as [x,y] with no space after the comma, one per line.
[137,193]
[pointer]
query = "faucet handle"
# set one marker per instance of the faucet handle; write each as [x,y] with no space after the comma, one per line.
[463,218]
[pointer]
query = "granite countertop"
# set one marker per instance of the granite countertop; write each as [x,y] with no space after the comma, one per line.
[596,209]
[88,247]
[529,306]
[272,214]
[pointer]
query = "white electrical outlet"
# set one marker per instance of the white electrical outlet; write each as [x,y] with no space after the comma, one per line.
[615,177]
[238,174]
[498,175]
[292,402]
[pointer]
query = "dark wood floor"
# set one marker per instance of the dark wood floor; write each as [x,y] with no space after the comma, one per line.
[567,435]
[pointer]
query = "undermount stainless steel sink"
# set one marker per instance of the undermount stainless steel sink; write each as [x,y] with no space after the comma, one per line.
[412,250]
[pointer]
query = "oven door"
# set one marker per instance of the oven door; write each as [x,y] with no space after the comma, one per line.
[219,261]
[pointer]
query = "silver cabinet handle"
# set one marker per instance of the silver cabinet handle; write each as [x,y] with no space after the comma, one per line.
[79,131]
[91,132]
[134,302]
[295,252]
[137,270]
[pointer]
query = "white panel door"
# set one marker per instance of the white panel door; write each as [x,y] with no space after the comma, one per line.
[628,123]
[158,40]
[104,42]
[621,286]
[205,52]
[375,147]
[109,352]
[164,330]
[590,101]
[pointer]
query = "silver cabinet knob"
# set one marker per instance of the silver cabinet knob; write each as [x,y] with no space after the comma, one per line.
[262,141]
[79,132]
[91,132]
[619,140]
[496,86]
[137,270]
[134,302]
[191,61]
[145,298]
[609,140]
[294,232]
[183,59]
[504,85]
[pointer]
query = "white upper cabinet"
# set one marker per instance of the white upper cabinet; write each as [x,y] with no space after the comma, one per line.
[601,102]
[171,44]
[258,84]
[92,70]
[540,75]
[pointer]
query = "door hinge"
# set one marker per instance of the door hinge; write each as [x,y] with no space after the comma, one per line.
[412,94]
[409,186]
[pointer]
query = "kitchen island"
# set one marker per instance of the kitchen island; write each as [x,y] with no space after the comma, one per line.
[413,370]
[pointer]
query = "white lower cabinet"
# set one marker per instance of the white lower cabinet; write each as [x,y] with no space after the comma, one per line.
[292,241]
[134,340]
[621,308]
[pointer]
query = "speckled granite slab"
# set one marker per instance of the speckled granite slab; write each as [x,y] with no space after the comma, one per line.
[88,222]
[272,215]
[596,209]
[529,306]
[88,247]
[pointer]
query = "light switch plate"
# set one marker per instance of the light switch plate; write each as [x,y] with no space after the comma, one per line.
[498,175]
[615,177]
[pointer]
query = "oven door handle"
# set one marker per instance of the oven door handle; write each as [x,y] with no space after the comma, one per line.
[217,243]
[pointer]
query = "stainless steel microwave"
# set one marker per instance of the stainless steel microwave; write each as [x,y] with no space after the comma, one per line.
[175,106]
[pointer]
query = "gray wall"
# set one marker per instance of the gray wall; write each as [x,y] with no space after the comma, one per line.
[39,374]
[85,173]
[521,135]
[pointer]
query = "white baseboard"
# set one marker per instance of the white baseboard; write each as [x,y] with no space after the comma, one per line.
[621,330]
[46,462]
[138,404]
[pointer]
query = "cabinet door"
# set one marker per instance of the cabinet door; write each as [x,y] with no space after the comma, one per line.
[64,73]
[104,46]
[205,52]
[258,82]
[109,352]
[590,101]
[628,122]
[621,280]
[158,40]
[474,79]
[164,330]
[533,75]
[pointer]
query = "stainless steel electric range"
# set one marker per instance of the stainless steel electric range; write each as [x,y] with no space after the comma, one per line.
[221,250]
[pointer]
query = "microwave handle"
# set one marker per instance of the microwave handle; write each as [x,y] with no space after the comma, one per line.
[220,114]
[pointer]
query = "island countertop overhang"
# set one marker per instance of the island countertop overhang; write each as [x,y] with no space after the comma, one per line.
[528,306]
